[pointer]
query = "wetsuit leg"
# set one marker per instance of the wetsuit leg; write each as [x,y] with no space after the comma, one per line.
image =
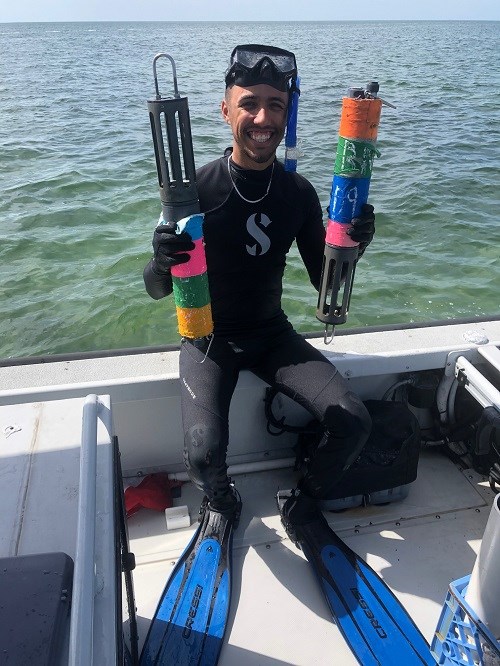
[207,385]
[303,373]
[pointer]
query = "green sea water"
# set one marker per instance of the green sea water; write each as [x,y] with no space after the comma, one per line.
[78,186]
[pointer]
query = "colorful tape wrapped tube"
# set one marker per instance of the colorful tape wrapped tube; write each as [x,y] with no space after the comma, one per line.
[355,158]
[190,281]
[352,172]
[360,118]
[356,151]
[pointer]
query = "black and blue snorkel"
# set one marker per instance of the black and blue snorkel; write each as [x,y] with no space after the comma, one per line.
[291,152]
[251,64]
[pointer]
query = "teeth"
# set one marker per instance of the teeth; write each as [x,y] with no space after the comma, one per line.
[260,136]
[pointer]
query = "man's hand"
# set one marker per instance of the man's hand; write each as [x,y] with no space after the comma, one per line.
[363,228]
[169,249]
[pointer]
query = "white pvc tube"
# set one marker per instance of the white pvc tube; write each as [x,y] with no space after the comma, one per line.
[483,592]
[244,468]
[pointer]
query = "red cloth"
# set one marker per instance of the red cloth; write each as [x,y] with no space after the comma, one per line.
[153,492]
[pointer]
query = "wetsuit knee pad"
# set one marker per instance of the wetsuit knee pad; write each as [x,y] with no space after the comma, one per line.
[201,448]
[204,460]
[348,418]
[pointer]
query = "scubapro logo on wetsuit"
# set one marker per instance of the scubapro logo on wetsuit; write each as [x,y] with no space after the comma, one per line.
[369,614]
[193,609]
[254,224]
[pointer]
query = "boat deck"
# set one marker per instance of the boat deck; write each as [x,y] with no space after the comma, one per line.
[278,614]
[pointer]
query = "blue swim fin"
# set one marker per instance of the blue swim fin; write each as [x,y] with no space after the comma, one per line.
[189,624]
[373,622]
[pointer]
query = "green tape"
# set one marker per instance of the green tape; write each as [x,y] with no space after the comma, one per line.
[191,292]
[354,158]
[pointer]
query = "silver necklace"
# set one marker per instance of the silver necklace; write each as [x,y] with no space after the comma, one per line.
[252,201]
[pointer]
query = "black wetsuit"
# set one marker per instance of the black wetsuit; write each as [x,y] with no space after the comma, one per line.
[246,246]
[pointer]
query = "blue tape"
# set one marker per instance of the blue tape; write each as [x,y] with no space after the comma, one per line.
[193,225]
[347,198]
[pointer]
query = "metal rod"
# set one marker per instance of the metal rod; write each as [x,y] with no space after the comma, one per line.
[491,354]
[476,384]
[82,622]
[327,338]
[174,73]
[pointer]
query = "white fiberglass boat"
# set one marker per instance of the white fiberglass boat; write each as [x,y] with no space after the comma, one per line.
[59,493]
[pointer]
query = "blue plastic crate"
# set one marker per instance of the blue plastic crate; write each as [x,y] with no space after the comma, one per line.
[460,637]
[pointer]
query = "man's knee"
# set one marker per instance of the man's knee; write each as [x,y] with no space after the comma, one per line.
[348,418]
[203,455]
[201,447]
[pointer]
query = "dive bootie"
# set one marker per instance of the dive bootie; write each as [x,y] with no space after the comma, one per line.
[298,511]
[228,506]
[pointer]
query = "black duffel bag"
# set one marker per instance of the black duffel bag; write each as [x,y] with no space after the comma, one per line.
[386,465]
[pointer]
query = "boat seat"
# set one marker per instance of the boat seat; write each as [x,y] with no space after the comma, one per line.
[35,599]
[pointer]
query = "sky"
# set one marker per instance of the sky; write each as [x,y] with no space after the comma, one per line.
[245,10]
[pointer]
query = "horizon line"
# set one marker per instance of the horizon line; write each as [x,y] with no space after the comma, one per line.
[383,20]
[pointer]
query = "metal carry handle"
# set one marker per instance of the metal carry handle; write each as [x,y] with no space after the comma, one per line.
[174,74]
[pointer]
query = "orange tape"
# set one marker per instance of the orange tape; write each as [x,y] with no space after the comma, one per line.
[195,322]
[360,118]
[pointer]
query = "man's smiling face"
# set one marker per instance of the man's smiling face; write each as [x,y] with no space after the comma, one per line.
[257,116]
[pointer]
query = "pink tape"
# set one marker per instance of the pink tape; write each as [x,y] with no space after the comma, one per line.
[196,265]
[336,234]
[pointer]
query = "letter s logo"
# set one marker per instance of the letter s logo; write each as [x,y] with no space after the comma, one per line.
[256,232]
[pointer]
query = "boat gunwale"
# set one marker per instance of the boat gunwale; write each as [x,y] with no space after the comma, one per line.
[129,351]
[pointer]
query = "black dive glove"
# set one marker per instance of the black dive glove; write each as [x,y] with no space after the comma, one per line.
[363,228]
[169,249]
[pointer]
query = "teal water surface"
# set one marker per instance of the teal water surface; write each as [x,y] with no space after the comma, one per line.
[78,186]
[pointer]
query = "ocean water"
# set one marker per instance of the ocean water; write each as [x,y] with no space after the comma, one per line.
[78,187]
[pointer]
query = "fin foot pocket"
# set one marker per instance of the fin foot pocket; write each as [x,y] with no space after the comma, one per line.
[228,506]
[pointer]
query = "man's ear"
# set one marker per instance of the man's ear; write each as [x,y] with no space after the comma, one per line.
[224,110]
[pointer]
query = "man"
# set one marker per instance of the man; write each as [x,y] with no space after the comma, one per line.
[253,211]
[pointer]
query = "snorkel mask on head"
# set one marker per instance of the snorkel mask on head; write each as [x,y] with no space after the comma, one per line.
[251,64]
